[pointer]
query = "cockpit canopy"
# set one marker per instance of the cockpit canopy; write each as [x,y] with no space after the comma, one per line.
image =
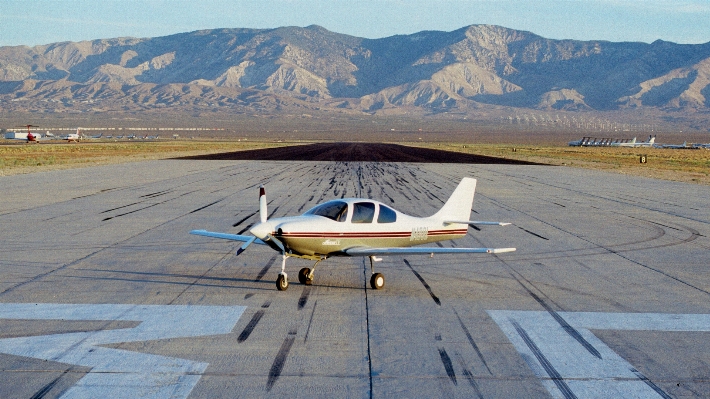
[362,211]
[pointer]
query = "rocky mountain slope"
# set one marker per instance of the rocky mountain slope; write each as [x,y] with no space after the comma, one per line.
[314,68]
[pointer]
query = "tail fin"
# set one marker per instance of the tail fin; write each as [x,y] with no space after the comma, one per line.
[262,204]
[458,206]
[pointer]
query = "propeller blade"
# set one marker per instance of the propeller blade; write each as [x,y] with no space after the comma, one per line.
[244,247]
[262,204]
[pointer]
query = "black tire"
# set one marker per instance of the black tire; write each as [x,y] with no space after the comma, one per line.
[303,275]
[377,281]
[282,283]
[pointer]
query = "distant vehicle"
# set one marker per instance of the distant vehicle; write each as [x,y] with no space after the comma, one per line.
[98,136]
[361,227]
[635,144]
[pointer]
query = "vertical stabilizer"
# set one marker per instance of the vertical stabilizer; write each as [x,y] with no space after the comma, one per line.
[458,206]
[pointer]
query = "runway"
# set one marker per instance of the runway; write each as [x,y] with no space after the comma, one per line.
[103,293]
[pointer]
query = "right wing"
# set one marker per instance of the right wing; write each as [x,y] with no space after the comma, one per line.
[367,251]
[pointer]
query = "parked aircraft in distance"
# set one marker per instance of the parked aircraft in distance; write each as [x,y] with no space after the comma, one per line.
[28,137]
[684,146]
[649,143]
[360,227]
[75,137]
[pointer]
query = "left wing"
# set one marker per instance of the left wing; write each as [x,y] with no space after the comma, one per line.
[247,240]
[225,236]
[365,251]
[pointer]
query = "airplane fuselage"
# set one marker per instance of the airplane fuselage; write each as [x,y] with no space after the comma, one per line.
[313,235]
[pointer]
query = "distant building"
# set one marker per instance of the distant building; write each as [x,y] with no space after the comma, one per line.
[14,135]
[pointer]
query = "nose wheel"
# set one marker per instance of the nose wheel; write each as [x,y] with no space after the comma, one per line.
[282,282]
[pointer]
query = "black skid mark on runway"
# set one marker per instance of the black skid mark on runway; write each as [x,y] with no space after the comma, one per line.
[244,220]
[120,207]
[421,279]
[250,327]
[530,232]
[280,360]
[549,368]
[245,229]
[206,206]
[156,194]
[313,312]
[45,389]
[567,327]
[304,297]
[650,383]
[472,342]
[448,366]
[469,376]
[263,271]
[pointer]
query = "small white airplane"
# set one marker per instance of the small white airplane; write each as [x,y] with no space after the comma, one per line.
[634,143]
[75,137]
[360,227]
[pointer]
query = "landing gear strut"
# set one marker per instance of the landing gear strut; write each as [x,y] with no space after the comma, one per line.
[282,280]
[377,281]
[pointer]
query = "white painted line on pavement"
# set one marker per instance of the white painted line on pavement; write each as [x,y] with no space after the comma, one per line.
[569,370]
[120,373]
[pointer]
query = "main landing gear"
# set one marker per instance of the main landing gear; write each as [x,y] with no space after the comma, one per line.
[305,275]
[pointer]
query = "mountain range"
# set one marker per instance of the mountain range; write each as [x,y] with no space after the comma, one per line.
[255,70]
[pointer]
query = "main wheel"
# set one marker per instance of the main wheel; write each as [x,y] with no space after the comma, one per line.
[377,281]
[303,276]
[282,282]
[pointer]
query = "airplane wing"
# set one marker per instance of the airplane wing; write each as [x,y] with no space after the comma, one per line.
[225,236]
[366,251]
[476,222]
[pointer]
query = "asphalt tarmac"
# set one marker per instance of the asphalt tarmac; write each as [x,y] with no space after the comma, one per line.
[103,293]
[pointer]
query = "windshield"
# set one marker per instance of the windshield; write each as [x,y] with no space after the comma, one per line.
[334,210]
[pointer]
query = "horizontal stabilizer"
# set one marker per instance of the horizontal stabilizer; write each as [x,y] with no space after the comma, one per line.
[364,251]
[225,236]
[475,222]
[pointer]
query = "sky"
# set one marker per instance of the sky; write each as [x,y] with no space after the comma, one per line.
[34,22]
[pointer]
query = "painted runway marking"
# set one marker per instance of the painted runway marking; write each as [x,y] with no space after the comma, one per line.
[120,373]
[568,369]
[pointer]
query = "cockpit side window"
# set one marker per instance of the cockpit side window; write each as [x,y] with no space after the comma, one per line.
[387,215]
[363,212]
[334,210]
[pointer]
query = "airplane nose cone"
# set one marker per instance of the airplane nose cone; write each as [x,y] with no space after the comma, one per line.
[262,229]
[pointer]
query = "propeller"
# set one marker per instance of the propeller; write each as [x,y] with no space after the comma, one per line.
[262,204]
[261,230]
